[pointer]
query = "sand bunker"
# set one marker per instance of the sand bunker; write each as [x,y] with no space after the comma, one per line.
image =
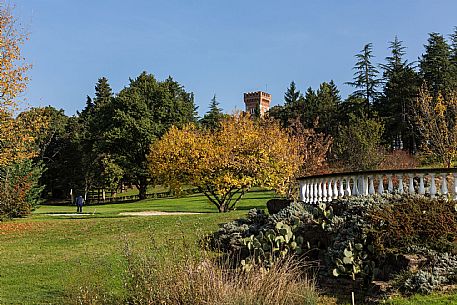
[155,213]
[70,214]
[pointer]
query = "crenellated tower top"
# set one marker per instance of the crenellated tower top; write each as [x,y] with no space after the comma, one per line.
[257,101]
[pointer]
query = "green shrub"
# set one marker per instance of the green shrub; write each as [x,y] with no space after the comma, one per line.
[19,189]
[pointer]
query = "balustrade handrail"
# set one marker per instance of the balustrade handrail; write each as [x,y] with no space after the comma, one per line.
[449,170]
[423,181]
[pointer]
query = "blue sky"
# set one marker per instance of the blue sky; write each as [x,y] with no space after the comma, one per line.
[213,47]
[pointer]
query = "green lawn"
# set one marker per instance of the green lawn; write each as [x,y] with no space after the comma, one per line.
[45,257]
[434,299]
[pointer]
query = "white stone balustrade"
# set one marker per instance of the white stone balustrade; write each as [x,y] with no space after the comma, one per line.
[428,182]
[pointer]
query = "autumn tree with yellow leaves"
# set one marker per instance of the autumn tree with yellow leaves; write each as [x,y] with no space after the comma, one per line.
[437,123]
[18,173]
[15,134]
[224,164]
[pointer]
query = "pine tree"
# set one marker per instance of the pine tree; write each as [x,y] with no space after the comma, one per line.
[328,103]
[436,68]
[292,95]
[213,117]
[293,109]
[94,121]
[308,116]
[395,105]
[103,92]
[366,79]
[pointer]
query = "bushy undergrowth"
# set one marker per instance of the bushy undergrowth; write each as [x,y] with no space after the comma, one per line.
[355,237]
[414,220]
[152,278]
[439,268]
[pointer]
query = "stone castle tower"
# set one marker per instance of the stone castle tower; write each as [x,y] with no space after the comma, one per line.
[257,100]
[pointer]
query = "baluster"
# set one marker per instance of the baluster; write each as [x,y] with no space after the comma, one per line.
[421,184]
[315,191]
[432,186]
[455,185]
[335,188]
[400,184]
[302,190]
[390,184]
[365,185]
[380,184]
[360,190]
[306,192]
[330,190]
[371,190]
[324,190]
[444,190]
[355,192]
[319,191]
[411,184]
[311,191]
[348,187]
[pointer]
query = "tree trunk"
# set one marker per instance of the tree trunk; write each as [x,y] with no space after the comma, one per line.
[142,187]
[223,208]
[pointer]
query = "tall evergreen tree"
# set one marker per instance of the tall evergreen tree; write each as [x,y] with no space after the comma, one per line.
[328,103]
[395,105]
[292,95]
[213,117]
[454,47]
[293,109]
[366,81]
[308,115]
[103,92]
[436,67]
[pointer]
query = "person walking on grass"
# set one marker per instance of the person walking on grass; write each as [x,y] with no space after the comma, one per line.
[79,204]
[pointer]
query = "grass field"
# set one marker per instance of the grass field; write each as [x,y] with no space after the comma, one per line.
[45,258]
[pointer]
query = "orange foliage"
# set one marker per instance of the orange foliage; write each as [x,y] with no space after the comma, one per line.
[398,159]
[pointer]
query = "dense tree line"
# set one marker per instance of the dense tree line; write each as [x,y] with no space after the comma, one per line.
[395,105]
[107,143]
[382,113]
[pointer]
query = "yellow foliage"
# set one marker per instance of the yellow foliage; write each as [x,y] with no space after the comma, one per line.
[437,123]
[225,163]
[13,79]
[17,134]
